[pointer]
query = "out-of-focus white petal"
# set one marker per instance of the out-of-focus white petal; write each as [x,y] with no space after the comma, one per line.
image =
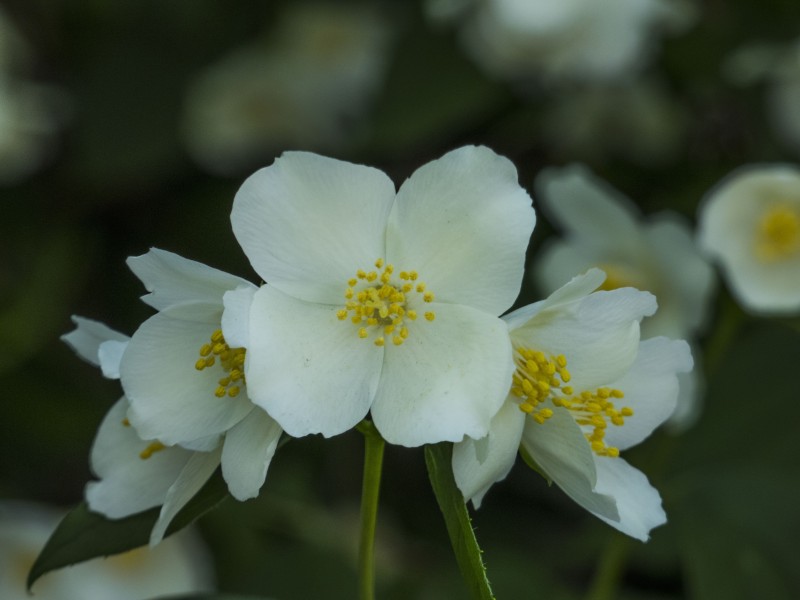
[476,471]
[730,218]
[650,388]
[87,336]
[307,223]
[638,502]
[127,483]
[247,452]
[198,470]
[110,356]
[170,399]
[172,279]
[446,381]
[559,447]
[588,210]
[463,222]
[307,369]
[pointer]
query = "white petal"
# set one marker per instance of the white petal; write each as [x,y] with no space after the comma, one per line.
[598,334]
[199,468]
[310,371]
[236,316]
[559,447]
[447,380]
[248,450]
[308,223]
[474,476]
[576,288]
[691,393]
[558,262]
[650,388]
[170,399]
[127,483]
[110,356]
[589,210]
[463,222]
[87,336]
[638,503]
[172,279]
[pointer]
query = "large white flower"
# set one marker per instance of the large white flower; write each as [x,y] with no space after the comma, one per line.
[585,388]
[382,300]
[750,223]
[603,228]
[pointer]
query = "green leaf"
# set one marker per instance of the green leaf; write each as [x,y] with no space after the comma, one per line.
[438,458]
[82,535]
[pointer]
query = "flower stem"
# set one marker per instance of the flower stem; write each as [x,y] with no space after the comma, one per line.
[438,458]
[370,490]
[605,583]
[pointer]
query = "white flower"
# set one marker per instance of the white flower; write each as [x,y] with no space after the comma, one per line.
[307,88]
[585,388]
[603,228]
[188,418]
[570,39]
[381,300]
[750,223]
[181,565]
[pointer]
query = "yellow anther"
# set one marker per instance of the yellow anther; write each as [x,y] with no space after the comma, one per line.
[125,422]
[561,361]
[151,449]
[381,299]
[205,349]
[217,336]
[210,360]
[234,391]
[626,412]
[220,391]
[231,360]
[430,316]
[200,364]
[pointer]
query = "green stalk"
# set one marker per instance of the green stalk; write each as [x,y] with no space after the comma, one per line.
[605,584]
[370,491]
[438,458]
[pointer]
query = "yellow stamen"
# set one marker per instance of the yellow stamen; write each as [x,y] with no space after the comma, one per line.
[381,302]
[778,233]
[231,360]
[538,380]
[151,449]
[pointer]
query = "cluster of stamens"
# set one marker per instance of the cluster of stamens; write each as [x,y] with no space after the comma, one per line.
[230,359]
[539,378]
[778,235]
[381,305]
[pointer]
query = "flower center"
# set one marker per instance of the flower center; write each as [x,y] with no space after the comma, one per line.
[539,378]
[778,234]
[230,359]
[617,277]
[379,304]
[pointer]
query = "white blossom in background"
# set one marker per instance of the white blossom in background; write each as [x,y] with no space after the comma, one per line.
[30,113]
[308,87]
[567,40]
[379,300]
[585,388]
[777,66]
[180,565]
[750,224]
[602,228]
[186,410]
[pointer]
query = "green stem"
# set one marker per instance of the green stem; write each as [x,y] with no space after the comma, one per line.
[438,458]
[370,491]
[605,583]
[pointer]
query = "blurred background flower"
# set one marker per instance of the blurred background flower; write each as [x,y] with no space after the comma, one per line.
[178,566]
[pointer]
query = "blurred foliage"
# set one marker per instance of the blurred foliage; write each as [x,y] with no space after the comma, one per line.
[120,182]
